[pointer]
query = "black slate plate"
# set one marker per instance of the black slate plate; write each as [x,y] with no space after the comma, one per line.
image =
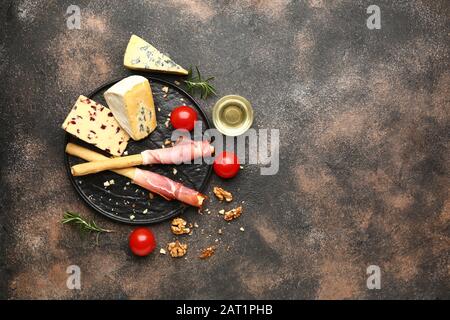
[123,199]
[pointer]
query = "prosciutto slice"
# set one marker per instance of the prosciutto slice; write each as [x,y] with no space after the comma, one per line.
[167,188]
[184,151]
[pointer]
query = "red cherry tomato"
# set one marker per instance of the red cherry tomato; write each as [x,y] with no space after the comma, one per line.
[142,241]
[226,165]
[183,117]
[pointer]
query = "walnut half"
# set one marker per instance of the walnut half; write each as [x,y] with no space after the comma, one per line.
[222,194]
[208,252]
[232,214]
[177,249]
[179,226]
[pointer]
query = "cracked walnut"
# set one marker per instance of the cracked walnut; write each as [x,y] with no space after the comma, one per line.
[208,252]
[178,226]
[177,249]
[222,194]
[232,214]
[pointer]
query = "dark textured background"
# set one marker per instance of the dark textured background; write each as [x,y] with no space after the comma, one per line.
[364,150]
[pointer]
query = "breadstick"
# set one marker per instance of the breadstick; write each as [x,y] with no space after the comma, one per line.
[89,155]
[106,164]
[183,152]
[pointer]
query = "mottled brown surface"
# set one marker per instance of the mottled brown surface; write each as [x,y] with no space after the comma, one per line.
[364,152]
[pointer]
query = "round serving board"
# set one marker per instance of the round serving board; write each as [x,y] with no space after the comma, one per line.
[124,199]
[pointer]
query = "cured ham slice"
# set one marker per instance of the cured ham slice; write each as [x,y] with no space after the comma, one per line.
[184,151]
[167,188]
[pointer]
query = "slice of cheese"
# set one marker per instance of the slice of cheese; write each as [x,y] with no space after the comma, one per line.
[95,124]
[141,55]
[131,102]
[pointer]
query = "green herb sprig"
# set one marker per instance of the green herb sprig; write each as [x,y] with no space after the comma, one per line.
[195,84]
[84,225]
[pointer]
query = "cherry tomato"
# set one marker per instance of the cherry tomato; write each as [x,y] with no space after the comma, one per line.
[183,117]
[226,165]
[142,241]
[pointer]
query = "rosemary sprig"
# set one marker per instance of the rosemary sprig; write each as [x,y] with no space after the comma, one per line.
[76,219]
[197,84]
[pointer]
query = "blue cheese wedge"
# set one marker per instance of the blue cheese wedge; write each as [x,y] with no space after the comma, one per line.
[95,124]
[141,55]
[131,102]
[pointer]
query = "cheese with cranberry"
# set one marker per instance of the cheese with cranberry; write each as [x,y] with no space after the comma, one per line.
[95,124]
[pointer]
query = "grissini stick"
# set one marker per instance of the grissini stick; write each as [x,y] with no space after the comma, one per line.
[89,155]
[151,181]
[184,151]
